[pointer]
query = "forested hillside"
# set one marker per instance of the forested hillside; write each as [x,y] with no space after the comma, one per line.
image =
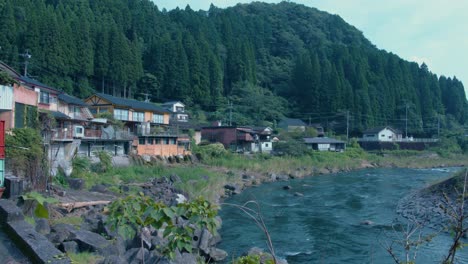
[268,60]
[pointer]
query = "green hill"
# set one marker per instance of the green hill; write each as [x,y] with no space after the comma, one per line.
[268,60]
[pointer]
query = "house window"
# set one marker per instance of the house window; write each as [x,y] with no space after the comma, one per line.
[141,141]
[157,141]
[121,114]
[173,141]
[166,141]
[382,135]
[179,109]
[158,118]
[44,98]
[266,145]
[139,116]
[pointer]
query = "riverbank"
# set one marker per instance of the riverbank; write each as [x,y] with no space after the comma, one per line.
[216,178]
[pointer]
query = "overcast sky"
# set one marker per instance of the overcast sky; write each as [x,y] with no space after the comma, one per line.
[430,31]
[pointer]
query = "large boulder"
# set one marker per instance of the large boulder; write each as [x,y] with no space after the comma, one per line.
[217,254]
[89,241]
[60,233]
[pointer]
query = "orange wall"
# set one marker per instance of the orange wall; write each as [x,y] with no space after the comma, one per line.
[166,118]
[161,150]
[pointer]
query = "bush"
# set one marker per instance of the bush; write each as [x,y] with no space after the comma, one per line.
[105,162]
[215,150]
[81,165]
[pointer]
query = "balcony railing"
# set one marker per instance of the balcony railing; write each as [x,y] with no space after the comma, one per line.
[65,134]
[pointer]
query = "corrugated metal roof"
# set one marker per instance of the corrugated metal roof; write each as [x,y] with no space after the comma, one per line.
[134,104]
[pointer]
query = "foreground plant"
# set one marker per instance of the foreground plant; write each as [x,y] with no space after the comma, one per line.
[133,213]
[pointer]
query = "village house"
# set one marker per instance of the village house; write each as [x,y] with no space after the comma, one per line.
[325,144]
[239,139]
[147,121]
[18,103]
[384,133]
[177,110]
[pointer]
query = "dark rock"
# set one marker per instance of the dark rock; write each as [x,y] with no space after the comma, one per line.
[9,212]
[175,178]
[137,255]
[114,260]
[184,258]
[42,226]
[217,254]
[60,233]
[204,241]
[89,241]
[287,187]
[124,188]
[282,177]
[69,247]
[100,188]
[76,184]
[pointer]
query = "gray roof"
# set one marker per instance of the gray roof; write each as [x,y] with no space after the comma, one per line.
[71,99]
[378,129]
[322,140]
[291,122]
[131,103]
[57,115]
[34,82]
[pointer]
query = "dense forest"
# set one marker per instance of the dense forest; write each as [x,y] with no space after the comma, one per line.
[262,61]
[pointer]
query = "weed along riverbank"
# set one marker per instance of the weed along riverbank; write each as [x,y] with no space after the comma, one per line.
[159,210]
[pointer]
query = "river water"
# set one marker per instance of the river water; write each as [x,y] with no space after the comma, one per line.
[325,224]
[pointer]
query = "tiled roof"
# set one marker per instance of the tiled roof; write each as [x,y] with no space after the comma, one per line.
[71,99]
[322,140]
[131,103]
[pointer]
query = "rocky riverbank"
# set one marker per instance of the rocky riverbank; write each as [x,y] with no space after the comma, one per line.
[433,206]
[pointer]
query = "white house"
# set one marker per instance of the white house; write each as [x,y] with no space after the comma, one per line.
[386,133]
[177,109]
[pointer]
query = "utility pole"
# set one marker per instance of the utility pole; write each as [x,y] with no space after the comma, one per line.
[438,126]
[406,120]
[26,55]
[146,97]
[347,126]
[230,113]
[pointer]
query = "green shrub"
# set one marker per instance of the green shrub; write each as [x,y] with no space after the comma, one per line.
[105,162]
[81,166]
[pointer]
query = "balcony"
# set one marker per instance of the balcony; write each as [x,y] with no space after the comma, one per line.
[66,134]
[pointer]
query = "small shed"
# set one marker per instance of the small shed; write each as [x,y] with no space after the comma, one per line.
[325,144]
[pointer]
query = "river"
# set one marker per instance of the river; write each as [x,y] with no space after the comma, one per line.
[325,224]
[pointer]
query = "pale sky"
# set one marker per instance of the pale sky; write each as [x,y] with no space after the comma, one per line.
[430,31]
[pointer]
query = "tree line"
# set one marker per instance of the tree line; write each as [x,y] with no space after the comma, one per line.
[271,60]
